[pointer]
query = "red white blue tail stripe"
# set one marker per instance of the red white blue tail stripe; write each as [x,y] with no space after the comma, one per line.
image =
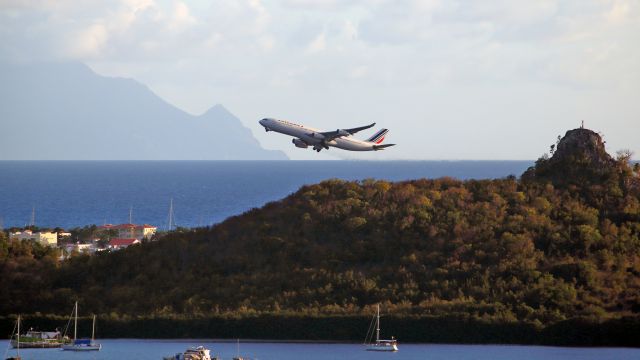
[378,137]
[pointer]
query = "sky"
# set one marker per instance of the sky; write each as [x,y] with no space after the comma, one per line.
[495,79]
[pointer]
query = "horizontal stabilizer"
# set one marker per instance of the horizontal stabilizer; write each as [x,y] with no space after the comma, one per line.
[381,147]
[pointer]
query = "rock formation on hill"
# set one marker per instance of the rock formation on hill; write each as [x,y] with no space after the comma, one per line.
[579,158]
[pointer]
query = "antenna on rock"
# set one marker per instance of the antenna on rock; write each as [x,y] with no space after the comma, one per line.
[582,125]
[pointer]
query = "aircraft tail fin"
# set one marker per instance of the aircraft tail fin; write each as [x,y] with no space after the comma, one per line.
[381,147]
[378,137]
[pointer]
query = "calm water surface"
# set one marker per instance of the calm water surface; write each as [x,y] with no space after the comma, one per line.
[78,193]
[156,349]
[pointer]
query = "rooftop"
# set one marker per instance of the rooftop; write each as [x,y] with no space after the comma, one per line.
[123,242]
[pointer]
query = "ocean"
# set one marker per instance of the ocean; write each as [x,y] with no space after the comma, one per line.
[71,194]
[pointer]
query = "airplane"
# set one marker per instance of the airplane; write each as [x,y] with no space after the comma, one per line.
[341,138]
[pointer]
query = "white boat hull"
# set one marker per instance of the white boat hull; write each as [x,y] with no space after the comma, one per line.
[382,348]
[82,348]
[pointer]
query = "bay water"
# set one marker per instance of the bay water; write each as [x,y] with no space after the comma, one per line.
[113,349]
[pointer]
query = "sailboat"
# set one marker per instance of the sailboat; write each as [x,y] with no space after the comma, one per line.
[380,345]
[17,357]
[82,344]
[238,357]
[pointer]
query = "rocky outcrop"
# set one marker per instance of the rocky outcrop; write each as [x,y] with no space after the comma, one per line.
[579,158]
[584,145]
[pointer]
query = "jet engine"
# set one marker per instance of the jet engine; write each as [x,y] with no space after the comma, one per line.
[299,143]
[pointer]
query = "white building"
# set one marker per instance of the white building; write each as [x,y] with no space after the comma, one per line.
[81,248]
[131,231]
[44,238]
[117,244]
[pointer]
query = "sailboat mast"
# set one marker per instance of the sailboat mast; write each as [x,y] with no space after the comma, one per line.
[170,214]
[93,328]
[75,323]
[378,325]
[18,347]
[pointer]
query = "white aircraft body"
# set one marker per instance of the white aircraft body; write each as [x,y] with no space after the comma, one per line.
[342,138]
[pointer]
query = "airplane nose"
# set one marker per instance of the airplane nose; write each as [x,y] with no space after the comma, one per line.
[265,122]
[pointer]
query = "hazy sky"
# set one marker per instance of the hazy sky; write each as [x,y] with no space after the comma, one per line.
[450,79]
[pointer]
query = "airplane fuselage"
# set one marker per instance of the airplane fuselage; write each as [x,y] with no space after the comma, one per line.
[313,137]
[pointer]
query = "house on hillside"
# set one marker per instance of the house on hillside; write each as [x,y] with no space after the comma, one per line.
[131,231]
[44,238]
[63,235]
[81,248]
[120,243]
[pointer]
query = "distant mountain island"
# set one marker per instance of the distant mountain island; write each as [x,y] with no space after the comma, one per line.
[65,111]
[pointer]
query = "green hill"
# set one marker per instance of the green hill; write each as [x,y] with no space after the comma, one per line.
[534,253]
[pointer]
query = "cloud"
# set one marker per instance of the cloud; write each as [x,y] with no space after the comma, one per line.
[318,44]
[314,5]
[126,29]
[358,72]
[181,17]
[89,43]
[622,11]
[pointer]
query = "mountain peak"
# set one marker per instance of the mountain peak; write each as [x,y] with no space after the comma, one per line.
[80,109]
[218,110]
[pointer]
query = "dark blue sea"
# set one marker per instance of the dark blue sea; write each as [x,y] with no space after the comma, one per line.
[77,193]
[157,349]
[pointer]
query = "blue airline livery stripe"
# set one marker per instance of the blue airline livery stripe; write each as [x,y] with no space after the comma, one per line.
[378,135]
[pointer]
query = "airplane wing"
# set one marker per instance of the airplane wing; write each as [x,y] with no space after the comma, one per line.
[330,135]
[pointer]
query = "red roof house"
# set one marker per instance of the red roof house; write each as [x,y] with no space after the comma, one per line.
[120,243]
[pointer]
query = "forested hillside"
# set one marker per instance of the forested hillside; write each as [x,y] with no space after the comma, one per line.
[536,250]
